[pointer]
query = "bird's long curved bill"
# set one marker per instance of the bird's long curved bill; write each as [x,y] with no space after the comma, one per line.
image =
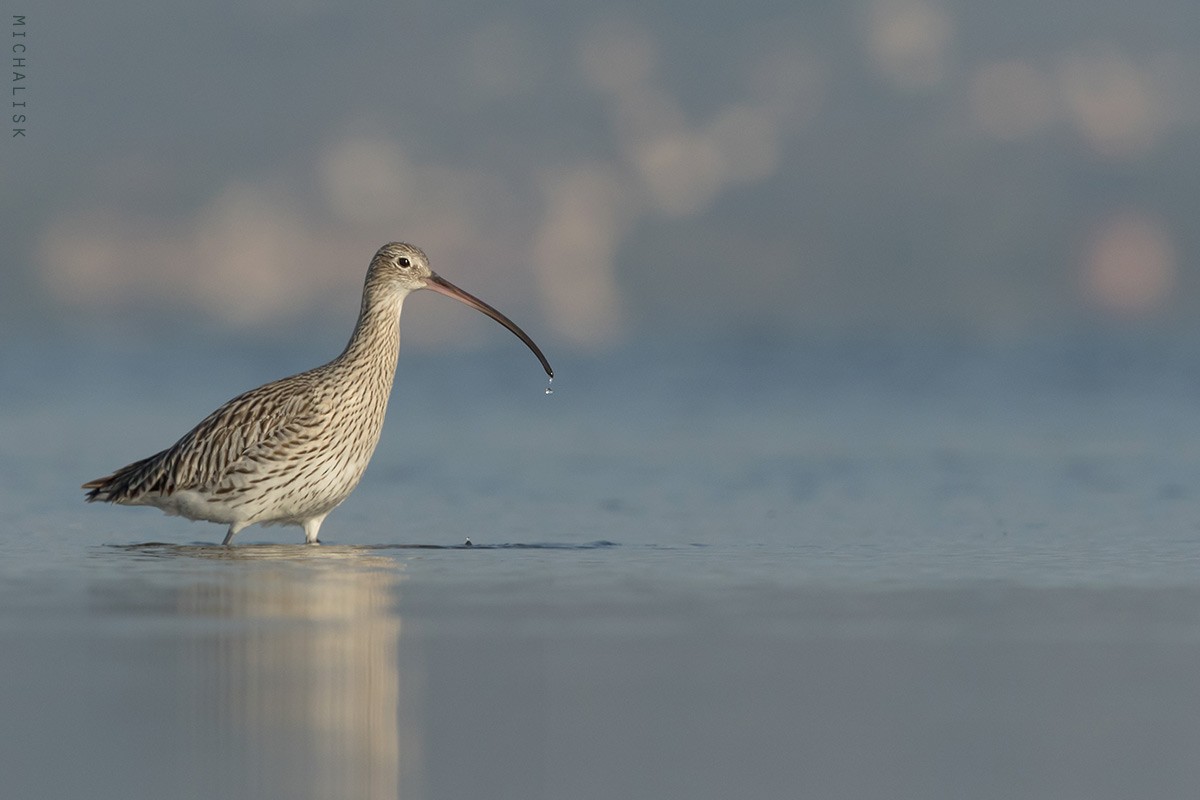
[442,286]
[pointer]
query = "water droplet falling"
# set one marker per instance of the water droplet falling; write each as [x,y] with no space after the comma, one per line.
[550,385]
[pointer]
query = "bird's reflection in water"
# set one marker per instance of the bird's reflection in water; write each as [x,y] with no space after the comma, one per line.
[295,685]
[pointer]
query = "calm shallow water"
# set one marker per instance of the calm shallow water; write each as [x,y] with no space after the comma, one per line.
[848,569]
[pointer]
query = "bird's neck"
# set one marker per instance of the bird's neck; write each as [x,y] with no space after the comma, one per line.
[375,343]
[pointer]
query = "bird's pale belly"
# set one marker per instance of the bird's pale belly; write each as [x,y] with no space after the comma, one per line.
[273,494]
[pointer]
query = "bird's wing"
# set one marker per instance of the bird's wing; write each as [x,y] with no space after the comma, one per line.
[237,438]
[252,429]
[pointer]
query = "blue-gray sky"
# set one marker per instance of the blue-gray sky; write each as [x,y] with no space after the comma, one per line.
[601,172]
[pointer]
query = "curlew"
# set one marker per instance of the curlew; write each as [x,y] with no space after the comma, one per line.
[291,451]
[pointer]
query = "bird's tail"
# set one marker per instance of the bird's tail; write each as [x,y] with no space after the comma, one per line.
[127,484]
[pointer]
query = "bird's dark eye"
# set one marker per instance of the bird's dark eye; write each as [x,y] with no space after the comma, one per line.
[404,262]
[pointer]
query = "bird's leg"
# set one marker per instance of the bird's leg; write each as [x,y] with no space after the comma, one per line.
[234,529]
[311,526]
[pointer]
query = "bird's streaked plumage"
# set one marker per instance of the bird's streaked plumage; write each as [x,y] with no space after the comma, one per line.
[291,451]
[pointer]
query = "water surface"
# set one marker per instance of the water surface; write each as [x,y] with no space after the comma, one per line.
[827,569]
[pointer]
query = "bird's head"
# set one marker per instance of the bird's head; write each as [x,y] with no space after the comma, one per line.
[400,265]
[405,267]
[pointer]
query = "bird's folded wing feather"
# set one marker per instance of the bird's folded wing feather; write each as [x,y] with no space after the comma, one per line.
[245,435]
[240,437]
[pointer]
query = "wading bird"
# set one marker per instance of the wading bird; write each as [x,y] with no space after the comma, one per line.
[291,451]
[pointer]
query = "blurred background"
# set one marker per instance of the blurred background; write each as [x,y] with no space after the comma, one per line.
[757,169]
[874,434]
